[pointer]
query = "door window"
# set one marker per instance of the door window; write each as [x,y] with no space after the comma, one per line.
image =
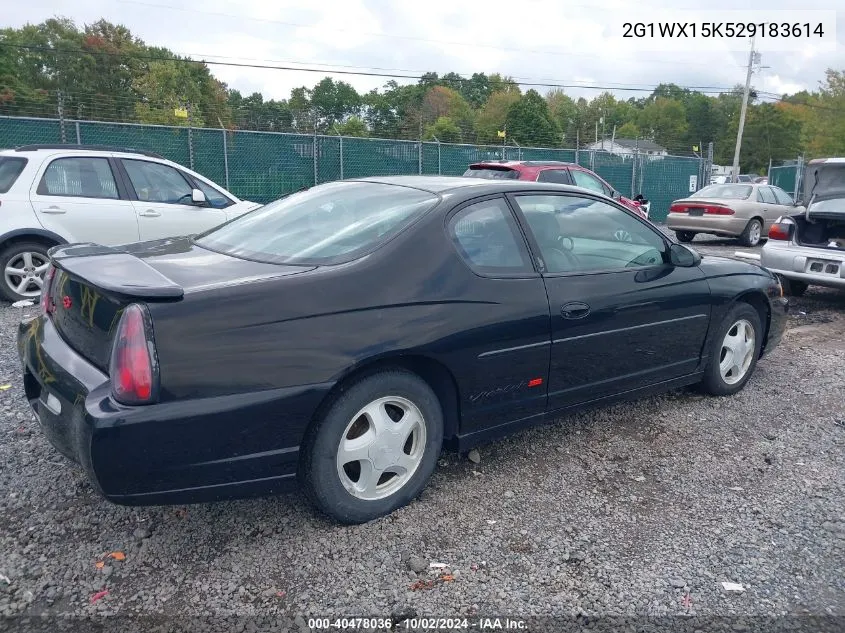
[764,194]
[588,181]
[79,176]
[154,182]
[580,234]
[489,240]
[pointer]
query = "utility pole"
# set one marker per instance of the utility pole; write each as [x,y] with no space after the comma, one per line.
[752,57]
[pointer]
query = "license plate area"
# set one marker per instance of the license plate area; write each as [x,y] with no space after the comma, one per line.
[697,211]
[823,266]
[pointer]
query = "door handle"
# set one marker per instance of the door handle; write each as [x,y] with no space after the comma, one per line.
[575,310]
[53,209]
[149,213]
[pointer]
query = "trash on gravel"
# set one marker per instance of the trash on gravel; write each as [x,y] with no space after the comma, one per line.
[733,586]
[23,304]
[491,522]
[99,595]
[118,555]
[99,564]
[438,565]
[5,579]
[5,387]
[736,488]
[686,601]
[474,456]
[429,584]
[639,478]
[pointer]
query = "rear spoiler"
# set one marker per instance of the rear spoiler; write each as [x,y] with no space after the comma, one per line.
[114,271]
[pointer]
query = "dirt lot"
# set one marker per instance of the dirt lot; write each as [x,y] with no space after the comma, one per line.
[642,509]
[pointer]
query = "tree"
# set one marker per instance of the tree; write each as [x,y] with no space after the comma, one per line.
[353,126]
[442,102]
[529,123]
[493,116]
[664,120]
[564,112]
[333,102]
[444,130]
[628,130]
[771,132]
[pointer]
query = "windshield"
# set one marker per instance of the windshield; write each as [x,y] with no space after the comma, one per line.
[328,224]
[492,173]
[727,192]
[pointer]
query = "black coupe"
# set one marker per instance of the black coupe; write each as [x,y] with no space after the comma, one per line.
[341,336]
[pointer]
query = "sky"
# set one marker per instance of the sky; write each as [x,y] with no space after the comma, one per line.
[575,43]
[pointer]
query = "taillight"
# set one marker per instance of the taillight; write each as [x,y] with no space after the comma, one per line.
[46,302]
[677,208]
[133,367]
[717,210]
[781,231]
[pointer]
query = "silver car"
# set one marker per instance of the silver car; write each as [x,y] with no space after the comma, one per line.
[743,210]
[807,247]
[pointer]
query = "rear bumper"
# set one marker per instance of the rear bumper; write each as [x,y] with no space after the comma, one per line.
[816,266]
[200,450]
[712,224]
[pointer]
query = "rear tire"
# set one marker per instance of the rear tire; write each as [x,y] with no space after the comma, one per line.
[734,352]
[23,265]
[793,287]
[753,233]
[393,422]
[685,236]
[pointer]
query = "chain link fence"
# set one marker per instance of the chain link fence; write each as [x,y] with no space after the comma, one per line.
[788,177]
[263,166]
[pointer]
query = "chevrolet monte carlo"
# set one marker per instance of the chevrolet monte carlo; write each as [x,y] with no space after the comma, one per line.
[342,336]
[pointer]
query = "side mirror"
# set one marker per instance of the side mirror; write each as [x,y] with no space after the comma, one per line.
[198,197]
[683,256]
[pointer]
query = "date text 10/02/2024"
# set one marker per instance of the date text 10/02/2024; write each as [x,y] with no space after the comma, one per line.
[418,624]
[722,29]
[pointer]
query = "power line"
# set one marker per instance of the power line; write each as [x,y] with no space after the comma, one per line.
[57,51]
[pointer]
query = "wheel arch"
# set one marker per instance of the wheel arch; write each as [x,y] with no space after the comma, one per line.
[434,373]
[758,300]
[31,235]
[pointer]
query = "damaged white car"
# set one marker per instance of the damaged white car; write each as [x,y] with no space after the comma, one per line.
[808,247]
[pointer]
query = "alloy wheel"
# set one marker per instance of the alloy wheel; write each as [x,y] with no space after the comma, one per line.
[737,352]
[381,448]
[24,273]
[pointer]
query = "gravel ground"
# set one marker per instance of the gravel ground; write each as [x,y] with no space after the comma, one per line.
[639,509]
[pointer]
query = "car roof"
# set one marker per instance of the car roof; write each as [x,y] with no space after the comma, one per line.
[67,147]
[475,186]
[523,163]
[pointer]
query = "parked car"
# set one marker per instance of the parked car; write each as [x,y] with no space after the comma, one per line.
[746,211]
[557,172]
[344,334]
[58,194]
[761,180]
[745,178]
[807,247]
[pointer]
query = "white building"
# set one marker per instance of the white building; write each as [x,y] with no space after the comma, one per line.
[629,147]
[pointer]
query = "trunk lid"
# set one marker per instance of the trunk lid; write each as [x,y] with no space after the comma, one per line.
[93,284]
[824,181]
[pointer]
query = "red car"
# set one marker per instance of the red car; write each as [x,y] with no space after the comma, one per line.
[554,171]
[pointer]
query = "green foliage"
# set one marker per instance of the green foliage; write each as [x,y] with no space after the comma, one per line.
[101,71]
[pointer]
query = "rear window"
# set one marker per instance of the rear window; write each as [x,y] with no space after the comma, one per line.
[728,192]
[329,224]
[10,169]
[493,173]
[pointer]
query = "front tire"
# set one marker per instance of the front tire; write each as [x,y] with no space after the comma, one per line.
[752,234]
[23,265]
[685,236]
[374,449]
[734,352]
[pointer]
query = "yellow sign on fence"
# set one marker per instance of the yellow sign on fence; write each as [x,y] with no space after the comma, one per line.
[181,113]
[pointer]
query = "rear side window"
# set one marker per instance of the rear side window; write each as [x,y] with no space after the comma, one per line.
[782,197]
[10,169]
[554,175]
[493,173]
[588,181]
[488,239]
[79,176]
